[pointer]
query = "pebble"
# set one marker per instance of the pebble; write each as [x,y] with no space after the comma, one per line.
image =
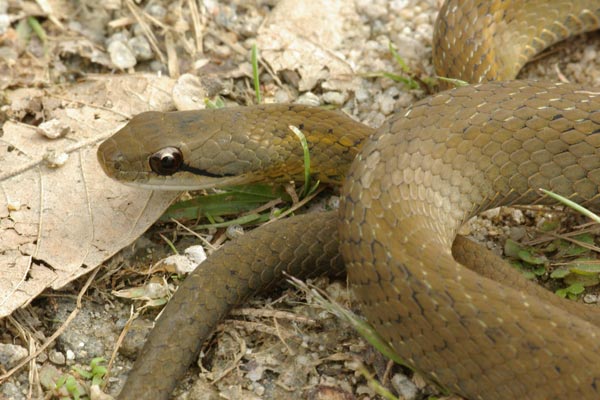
[55,159]
[371,9]
[326,392]
[292,78]
[11,354]
[517,215]
[5,21]
[57,358]
[337,98]
[195,253]
[404,387]
[157,11]
[365,390]
[308,99]
[258,388]
[42,357]
[112,5]
[180,264]
[9,390]
[590,298]
[234,231]
[333,202]
[53,129]
[121,55]
[189,93]
[158,67]
[397,5]
[517,233]
[202,390]
[141,48]
[282,96]
[387,101]
[362,94]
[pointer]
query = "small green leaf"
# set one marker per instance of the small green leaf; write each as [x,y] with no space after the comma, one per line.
[82,372]
[97,361]
[217,103]
[561,293]
[583,280]
[71,386]
[60,382]
[582,268]
[539,271]
[551,247]
[585,238]
[549,225]
[560,273]
[574,289]
[526,272]
[530,258]
[574,250]
[512,248]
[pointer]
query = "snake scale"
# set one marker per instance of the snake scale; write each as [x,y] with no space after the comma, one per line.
[465,321]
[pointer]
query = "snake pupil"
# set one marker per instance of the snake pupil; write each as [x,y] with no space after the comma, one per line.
[166,161]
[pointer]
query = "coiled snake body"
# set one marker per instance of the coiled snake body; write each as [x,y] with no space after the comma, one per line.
[412,184]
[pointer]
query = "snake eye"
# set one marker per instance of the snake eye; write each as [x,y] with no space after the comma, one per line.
[166,161]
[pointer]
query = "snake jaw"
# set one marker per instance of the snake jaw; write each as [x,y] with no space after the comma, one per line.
[181,184]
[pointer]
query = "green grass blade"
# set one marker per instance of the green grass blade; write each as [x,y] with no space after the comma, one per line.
[571,204]
[37,28]
[255,76]
[307,188]
[455,82]
[231,201]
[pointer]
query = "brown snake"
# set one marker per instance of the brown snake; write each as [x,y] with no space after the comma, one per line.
[413,183]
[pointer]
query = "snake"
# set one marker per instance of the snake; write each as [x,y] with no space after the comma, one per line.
[453,310]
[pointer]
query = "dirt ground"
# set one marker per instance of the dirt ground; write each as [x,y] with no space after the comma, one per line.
[281,345]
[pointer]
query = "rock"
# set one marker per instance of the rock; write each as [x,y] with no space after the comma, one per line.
[11,354]
[404,387]
[121,55]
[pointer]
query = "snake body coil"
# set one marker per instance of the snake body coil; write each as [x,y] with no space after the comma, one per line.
[411,186]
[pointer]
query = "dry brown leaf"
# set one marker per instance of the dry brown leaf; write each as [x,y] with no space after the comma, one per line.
[300,35]
[59,221]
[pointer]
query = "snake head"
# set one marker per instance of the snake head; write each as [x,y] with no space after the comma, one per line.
[172,151]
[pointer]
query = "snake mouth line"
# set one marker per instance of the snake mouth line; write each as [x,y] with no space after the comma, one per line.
[203,172]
